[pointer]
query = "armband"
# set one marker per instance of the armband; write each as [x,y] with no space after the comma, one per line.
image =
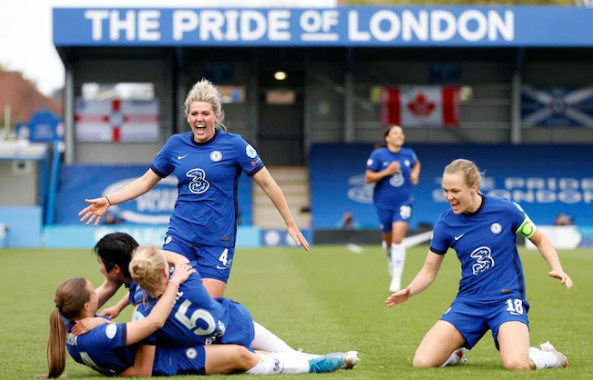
[527,228]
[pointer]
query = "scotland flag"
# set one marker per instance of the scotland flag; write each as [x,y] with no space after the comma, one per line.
[557,106]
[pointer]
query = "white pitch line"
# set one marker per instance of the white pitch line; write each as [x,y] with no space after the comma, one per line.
[354,248]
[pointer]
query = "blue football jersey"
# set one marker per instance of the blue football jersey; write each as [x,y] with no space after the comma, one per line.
[206,208]
[136,293]
[197,319]
[393,190]
[485,243]
[103,348]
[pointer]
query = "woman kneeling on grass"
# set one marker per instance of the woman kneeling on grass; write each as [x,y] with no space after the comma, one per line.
[123,350]
[482,229]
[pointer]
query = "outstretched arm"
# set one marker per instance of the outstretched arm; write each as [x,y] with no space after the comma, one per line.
[423,279]
[132,190]
[270,187]
[548,252]
[138,330]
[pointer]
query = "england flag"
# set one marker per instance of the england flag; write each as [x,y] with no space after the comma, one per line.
[557,106]
[117,120]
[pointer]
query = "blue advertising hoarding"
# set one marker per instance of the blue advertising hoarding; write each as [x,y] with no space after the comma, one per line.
[153,208]
[342,26]
[545,180]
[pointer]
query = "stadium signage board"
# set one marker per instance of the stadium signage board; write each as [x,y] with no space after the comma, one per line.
[341,26]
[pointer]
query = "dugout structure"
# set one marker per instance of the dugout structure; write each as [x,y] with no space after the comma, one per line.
[334,59]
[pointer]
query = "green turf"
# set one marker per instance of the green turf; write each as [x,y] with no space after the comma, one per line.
[327,300]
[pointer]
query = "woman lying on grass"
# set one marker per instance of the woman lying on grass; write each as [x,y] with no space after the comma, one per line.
[123,350]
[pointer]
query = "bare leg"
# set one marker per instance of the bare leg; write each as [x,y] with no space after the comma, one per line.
[214,287]
[513,342]
[438,345]
[223,359]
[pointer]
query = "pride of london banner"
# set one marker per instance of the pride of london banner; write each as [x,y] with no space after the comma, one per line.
[427,106]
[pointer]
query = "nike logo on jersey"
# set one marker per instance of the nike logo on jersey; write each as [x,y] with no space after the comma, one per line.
[181,157]
[459,237]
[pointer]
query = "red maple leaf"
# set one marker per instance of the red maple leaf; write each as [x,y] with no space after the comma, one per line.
[419,107]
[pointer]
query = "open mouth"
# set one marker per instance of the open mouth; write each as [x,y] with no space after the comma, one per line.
[200,126]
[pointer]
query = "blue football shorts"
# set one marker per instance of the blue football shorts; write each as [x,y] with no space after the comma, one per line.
[474,318]
[212,262]
[387,217]
[180,361]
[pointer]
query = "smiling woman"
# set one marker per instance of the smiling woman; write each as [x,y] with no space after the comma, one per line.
[482,229]
[207,163]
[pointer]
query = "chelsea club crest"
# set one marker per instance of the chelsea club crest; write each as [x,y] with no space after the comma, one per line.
[216,156]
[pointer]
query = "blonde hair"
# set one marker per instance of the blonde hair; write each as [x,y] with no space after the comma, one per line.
[146,267]
[205,91]
[70,298]
[468,169]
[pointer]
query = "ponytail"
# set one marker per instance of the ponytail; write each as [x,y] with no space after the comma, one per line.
[56,345]
[70,298]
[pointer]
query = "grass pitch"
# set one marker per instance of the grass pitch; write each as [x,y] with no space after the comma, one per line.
[330,299]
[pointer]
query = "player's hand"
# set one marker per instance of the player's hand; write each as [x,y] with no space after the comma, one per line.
[111,312]
[398,297]
[95,211]
[83,326]
[393,168]
[414,178]
[182,273]
[563,277]
[298,236]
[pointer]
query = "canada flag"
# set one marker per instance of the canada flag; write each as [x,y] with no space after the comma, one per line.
[411,106]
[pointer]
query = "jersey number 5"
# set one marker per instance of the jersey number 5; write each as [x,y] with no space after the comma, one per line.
[191,322]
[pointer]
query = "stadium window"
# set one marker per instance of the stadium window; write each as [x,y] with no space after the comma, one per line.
[280,97]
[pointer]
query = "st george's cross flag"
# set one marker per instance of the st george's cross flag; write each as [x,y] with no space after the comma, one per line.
[557,106]
[411,106]
[117,120]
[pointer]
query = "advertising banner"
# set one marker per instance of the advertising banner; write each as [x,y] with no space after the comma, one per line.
[341,26]
[545,180]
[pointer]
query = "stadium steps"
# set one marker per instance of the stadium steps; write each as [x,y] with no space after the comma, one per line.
[294,182]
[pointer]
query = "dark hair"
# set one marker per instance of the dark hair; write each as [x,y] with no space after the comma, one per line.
[70,298]
[386,131]
[116,249]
